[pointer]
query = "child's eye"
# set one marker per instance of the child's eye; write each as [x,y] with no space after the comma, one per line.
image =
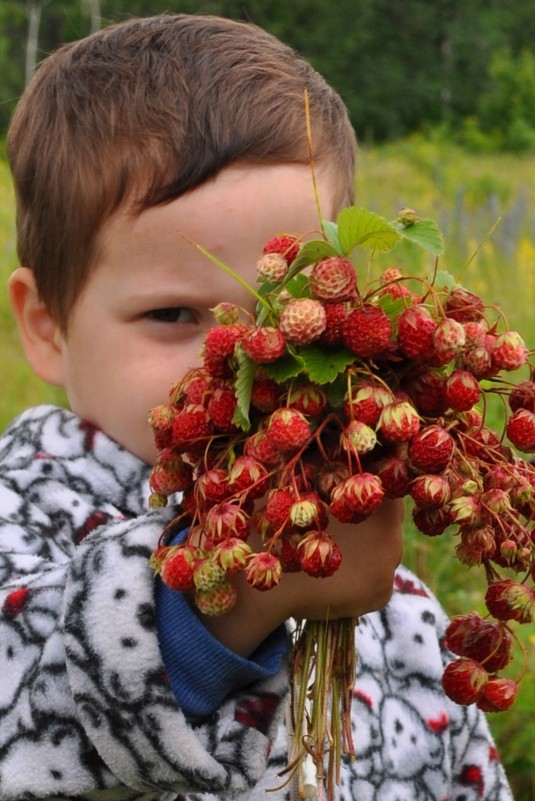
[173,314]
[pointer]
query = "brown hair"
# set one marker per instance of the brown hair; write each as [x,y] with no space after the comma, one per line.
[146,110]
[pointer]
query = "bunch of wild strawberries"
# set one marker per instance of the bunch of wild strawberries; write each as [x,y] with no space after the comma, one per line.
[334,397]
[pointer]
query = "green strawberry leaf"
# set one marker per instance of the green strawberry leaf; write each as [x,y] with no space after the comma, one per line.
[330,229]
[337,391]
[287,366]
[323,365]
[310,253]
[245,375]
[444,280]
[298,286]
[357,226]
[424,233]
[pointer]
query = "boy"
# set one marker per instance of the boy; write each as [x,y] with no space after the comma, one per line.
[113,687]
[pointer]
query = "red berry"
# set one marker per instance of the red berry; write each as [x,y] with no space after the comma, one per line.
[464,306]
[415,332]
[285,244]
[509,352]
[335,317]
[486,641]
[170,474]
[499,694]
[221,340]
[462,390]
[264,344]
[520,429]
[178,567]
[431,449]
[225,520]
[464,681]
[356,498]
[221,408]
[263,571]
[249,475]
[399,422]
[265,394]
[507,599]
[333,279]
[319,554]
[190,425]
[430,491]
[288,430]
[367,331]
[366,402]
[217,600]
[523,396]
[449,339]
[395,476]
[308,398]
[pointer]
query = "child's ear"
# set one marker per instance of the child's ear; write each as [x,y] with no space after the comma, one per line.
[39,332]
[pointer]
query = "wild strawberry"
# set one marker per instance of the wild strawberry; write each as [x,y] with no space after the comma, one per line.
[226,313]
[462,390]
[358,438]
[212,487]
[191,424]
[464,680]
[523,396]
[367,331]
[335,317]
[221,340]
[225,520]
[430,491]
[170,474]
[449,338]
[285,244]
[265,394]
[481,442]
[288,430]
[272,267]
[499,694]
[319,554]
[431,522]
[477,545]
[431,449]
[221,408]
[263,344]
[177,568]
[191,389]
[465,510]
[231,554]
[330,474]
[475,333]
[260,447]
[486,641]
[391,283]
[207,574]
[248,475]
[464,306]
[302,320]
[520,429]
[395,476]
[426,390]
[366,401]
[307,398]
[288,554]
[356,498]
[416,328]
[308,510]
[263,571]
[277,509]
[507,599]
[478,361]
[217,600]
[509,352]
[161,420]
[333,279]
[399,422]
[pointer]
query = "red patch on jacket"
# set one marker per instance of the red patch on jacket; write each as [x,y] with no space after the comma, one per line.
[257,712]
[15,602]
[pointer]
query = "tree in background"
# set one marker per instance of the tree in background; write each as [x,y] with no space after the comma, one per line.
[400,65]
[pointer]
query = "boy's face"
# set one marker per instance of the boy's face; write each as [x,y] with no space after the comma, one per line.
[140,322]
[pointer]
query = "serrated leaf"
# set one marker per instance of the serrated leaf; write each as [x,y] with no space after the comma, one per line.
[245,375]
[298,286]
[323,365]
[424,233]
[288,366]
[357,226]
[310,253]
[444,280]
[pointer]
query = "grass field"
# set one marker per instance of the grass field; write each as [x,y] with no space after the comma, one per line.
[486,209]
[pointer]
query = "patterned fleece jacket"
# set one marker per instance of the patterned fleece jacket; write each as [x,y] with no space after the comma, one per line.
[89,707]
